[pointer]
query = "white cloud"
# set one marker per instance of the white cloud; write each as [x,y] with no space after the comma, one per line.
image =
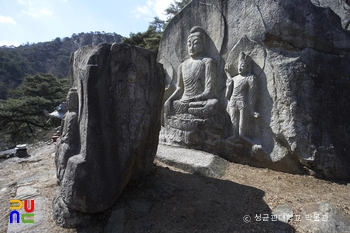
[160,7]
[7,19]
[30,13]
[25,2]
[153,8]
[35,8]
[9,43]
[142,11]
[46,12]
[36,13]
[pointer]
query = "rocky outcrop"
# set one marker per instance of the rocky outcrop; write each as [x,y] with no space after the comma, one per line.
[110,134]
[300,64]
[340,7]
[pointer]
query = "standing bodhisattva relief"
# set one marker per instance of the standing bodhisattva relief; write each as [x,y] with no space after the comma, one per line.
[241,92]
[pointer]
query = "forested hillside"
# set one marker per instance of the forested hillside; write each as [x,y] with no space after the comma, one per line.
[47,57]
[33,77]
[33,80]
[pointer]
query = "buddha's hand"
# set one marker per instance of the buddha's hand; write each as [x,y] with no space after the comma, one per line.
[191,99]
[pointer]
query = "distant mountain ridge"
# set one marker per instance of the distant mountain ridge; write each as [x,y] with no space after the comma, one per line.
[46,57]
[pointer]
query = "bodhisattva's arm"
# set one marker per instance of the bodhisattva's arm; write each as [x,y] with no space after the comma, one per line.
[229,85]
[253,95]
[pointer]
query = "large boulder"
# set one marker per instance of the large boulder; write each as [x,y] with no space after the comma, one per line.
[110,132]
[300,63]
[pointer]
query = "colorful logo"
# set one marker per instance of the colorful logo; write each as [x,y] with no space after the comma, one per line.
[16,205]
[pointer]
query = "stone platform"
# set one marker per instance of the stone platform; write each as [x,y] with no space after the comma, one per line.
[193,161]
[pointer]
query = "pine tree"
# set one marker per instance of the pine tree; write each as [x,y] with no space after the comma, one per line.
[150,39]
[22,114]
[175,8]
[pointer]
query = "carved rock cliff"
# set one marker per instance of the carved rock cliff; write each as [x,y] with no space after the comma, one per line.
[301,60]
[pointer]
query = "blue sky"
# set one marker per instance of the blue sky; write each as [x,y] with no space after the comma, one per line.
[33,21]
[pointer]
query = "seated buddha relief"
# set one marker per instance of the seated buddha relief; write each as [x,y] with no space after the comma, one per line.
[194,105]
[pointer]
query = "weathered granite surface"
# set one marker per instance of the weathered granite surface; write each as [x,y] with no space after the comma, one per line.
[340,7]
[301,64]
[110,134]
[193,161]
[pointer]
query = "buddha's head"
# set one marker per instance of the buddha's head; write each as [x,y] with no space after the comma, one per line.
[196,42]
[244,64]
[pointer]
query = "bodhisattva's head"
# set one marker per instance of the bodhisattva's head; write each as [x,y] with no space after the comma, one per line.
[244,64]
[72,99]
[196,42]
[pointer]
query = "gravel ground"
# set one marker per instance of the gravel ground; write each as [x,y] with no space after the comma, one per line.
[170,200]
